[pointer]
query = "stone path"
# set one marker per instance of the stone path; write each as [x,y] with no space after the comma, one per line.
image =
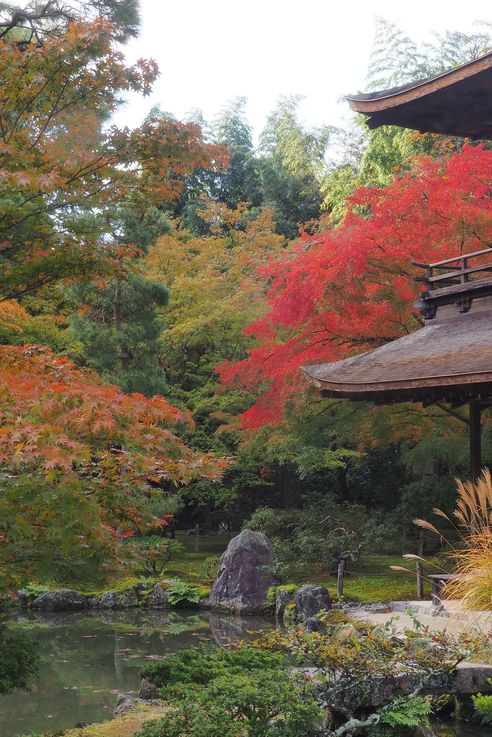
[450,618]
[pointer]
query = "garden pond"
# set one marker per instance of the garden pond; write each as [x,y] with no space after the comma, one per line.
[87,659]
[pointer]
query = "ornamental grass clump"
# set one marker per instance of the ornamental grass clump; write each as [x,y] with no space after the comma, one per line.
[473,555]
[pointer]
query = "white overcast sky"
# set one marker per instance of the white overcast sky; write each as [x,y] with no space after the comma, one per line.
[210,51]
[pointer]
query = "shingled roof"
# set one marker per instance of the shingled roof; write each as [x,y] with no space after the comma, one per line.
[457,102]
[450,359]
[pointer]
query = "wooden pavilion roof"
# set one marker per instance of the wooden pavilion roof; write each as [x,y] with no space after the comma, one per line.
[449,359]
[457,102]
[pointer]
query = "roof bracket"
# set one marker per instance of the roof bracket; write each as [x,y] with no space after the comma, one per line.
[427,309]
[464,302]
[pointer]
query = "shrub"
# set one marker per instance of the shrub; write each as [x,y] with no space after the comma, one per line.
[152,553]
[483,708]
[353,660]
[182,594]
[226,693]
[198,667]
[327,532]
[209,568]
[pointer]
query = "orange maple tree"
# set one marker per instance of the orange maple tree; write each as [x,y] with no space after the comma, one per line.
[78,457]
[350,289]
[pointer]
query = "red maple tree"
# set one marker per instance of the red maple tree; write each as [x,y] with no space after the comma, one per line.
[351,289]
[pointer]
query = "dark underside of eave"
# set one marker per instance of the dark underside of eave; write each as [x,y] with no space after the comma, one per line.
[462,107]
[447,360]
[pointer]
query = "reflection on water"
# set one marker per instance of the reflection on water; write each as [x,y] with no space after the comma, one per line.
[458,729]
[86,659]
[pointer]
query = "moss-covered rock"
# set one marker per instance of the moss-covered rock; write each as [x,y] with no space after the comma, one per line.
[126,725]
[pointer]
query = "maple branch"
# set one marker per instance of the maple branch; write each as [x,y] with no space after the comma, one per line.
[51,115]
[30,101]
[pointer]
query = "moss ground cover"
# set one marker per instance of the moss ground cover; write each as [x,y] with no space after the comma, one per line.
[125,726]
[369,580]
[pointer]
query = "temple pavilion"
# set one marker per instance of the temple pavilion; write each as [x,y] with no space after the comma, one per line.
[449,359]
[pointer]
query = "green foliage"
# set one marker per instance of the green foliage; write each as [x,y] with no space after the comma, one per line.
[292,165]
[397,59]
[221,693]
[31,590]
[141,225]
[18,660]
[369,158]
[240,180]
[153,553]
[182,594]
[209,567]
[402,717]
[259,704]
[61,552]
[200,666]
[327,531]
[353,659]
[50,19]
[483,708]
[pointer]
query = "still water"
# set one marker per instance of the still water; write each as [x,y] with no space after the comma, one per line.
[87,659]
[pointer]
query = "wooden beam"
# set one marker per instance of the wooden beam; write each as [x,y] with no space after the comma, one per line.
[475,440]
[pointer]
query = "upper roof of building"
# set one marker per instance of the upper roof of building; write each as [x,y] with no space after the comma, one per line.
[456,103]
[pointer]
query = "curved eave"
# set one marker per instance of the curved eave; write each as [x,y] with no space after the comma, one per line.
[373,102]
[459,388]
[457,103]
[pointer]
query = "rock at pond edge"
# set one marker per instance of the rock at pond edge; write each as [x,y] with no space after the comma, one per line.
[311,599]
[60,600]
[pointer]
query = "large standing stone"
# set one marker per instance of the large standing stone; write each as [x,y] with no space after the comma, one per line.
[60,600]
[245,574]
[311,599]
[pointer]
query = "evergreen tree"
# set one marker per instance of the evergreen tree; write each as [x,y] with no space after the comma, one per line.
[239,182]
[118,328]
[292,166]
[40,21]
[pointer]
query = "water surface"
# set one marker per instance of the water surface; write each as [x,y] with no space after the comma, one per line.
[87,659]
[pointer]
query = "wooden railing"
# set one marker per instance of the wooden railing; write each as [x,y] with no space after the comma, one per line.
[458,269]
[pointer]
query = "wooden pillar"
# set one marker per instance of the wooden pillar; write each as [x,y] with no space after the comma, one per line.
[475,441]
[340,574]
